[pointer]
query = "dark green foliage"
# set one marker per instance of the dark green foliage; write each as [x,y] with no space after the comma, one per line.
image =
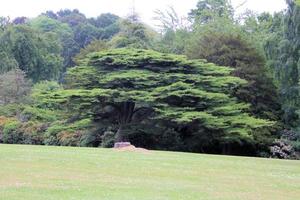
[13,131]
[67,134]
[16,132]
[104,20]
[279,36]
[154,100]
[71,17]
[108,24]
[224,43]
[37,114]
[11,134]
[108,139]
[7,62]
[128,85]
[285,62]
[231,49]
[62,32]
[25,113]
[218,38]
[282,51]
[31,125]
[75,31]
[35,54]
[84,34]
[156,134]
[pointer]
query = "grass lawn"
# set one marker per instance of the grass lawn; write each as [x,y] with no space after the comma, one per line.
[66,173]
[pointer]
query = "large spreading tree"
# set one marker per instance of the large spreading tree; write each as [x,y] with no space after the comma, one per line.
[126,85]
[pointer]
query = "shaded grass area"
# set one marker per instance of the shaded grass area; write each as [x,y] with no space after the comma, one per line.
[66,173]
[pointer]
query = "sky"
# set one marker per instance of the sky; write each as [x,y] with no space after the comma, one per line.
[145,8]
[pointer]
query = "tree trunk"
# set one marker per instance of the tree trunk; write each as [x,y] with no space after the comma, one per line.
[126,111]
[120,135]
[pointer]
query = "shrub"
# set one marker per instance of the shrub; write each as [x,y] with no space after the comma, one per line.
[292,138]
[57,133]
[28,113]
[282,149]
[33,132]
[296,145]
[91,138]
[108,139]
[12,133]
[3,121]
[67,138]
[51,133]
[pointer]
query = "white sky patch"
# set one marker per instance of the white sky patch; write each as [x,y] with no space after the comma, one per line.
[145,8]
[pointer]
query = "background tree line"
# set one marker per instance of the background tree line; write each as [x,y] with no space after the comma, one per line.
[37,59]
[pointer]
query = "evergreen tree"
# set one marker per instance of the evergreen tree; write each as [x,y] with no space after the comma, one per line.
[283,51]
[126,85]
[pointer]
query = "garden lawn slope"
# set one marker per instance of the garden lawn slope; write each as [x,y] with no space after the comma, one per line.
[64,173]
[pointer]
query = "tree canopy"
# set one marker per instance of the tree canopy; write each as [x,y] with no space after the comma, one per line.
[170,87]
[38,55]
[208,10]
[282,50]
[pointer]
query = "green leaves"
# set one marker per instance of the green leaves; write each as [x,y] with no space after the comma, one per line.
[179,90]
[282,50]
[38,55]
